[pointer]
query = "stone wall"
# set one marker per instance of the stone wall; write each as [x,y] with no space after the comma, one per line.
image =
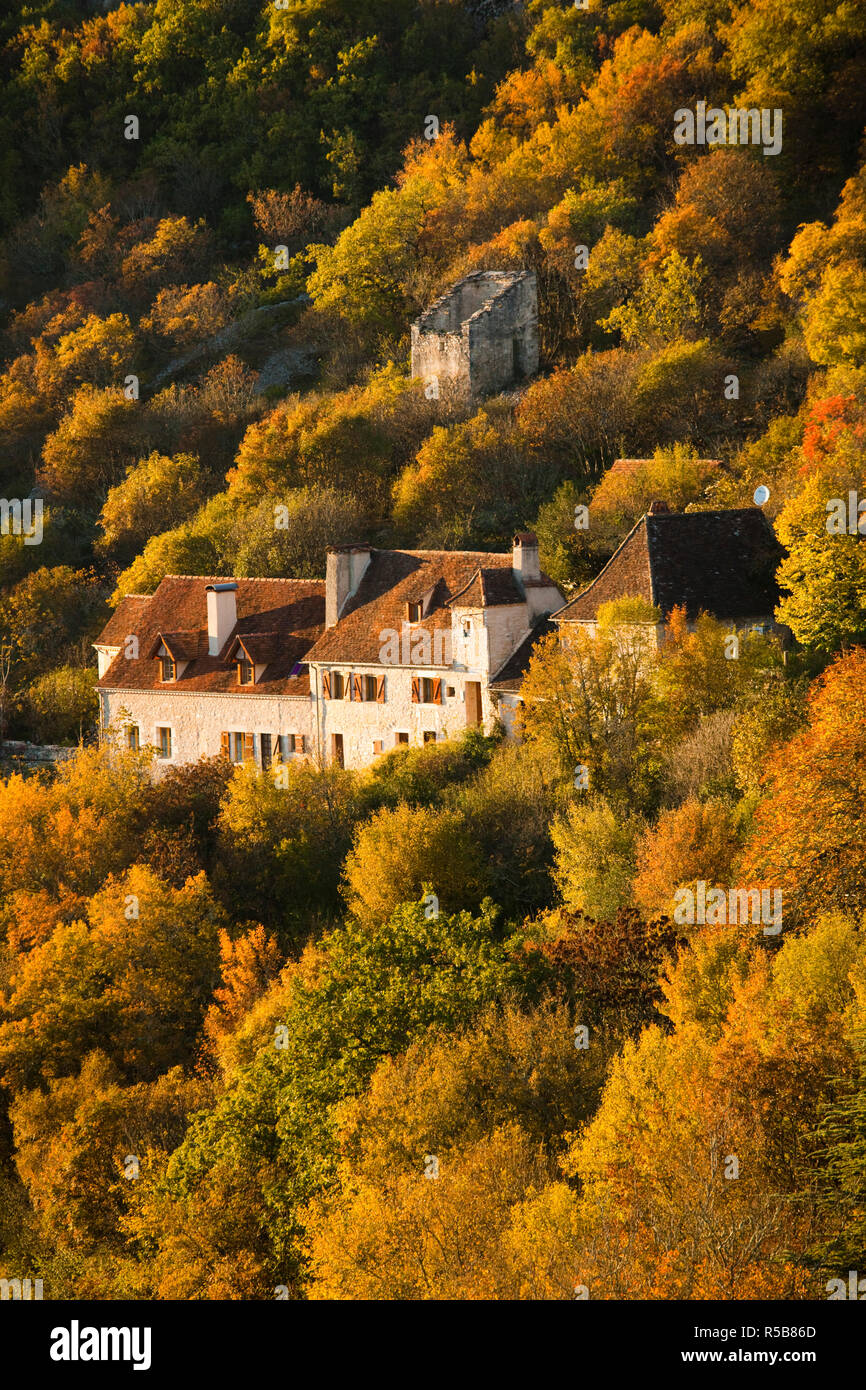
[363,723]
[197,719]
[481,337]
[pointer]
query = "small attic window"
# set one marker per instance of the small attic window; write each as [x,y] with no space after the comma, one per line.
[246,671]
[413,611]
[169,668]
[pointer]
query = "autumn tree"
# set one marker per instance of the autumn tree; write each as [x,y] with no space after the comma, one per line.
[807,825]
[157,494]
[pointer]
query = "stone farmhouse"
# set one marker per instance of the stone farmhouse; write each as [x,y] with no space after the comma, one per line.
[481,337]
[394,647]
[204,666]
[718,562]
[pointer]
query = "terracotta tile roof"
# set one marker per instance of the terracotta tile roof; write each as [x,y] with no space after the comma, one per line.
[394,578]
[489,588]
[510,675]
[182,646]
[292,610]
[261,647]
[720,562]
[123,620]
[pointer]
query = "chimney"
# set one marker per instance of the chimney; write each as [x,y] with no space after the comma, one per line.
[222,615]
[524,560]
[345,570]
[657,508]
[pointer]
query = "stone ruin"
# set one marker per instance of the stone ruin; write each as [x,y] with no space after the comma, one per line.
[481,337]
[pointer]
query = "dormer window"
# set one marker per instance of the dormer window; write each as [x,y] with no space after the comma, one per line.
[169,668]
[413,611]
[246,672]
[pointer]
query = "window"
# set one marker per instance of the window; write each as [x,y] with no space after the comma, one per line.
[429,735]
[132,737]
[401,738]
[163,742]
[246,672]
[367,688]
[169,670]
[414,612]
[265,749]
[338,685]
[237,746]
[298,743]
[449,690]
[337,749]
[429,690]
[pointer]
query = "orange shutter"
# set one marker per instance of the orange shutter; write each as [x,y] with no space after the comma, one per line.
[224,746]
[380,690]
[416,690]
[302,743]
[248,745]
[326,685]
[437,691]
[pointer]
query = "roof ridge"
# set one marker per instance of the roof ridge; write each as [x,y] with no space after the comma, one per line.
[236,579]
[466,554]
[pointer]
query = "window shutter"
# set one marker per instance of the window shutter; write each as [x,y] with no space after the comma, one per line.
[437,691]
[293,743]
[416,690]
[352,688]
[380,690]
[248,746]
[225,747]
[326,685]
[302,743]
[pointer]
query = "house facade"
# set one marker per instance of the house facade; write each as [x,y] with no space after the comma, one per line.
[206,666]
[394,647]
[414,640]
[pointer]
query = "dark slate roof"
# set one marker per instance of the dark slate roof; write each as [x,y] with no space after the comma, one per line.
[721,562]
[281,618]
[510,675]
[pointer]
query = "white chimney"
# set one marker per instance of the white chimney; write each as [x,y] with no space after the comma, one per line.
[344,571]
[222,615]
[524,557]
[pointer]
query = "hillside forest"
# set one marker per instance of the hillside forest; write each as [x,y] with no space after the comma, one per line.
[239,1057]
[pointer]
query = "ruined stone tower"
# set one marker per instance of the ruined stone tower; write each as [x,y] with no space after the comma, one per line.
[482,336]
